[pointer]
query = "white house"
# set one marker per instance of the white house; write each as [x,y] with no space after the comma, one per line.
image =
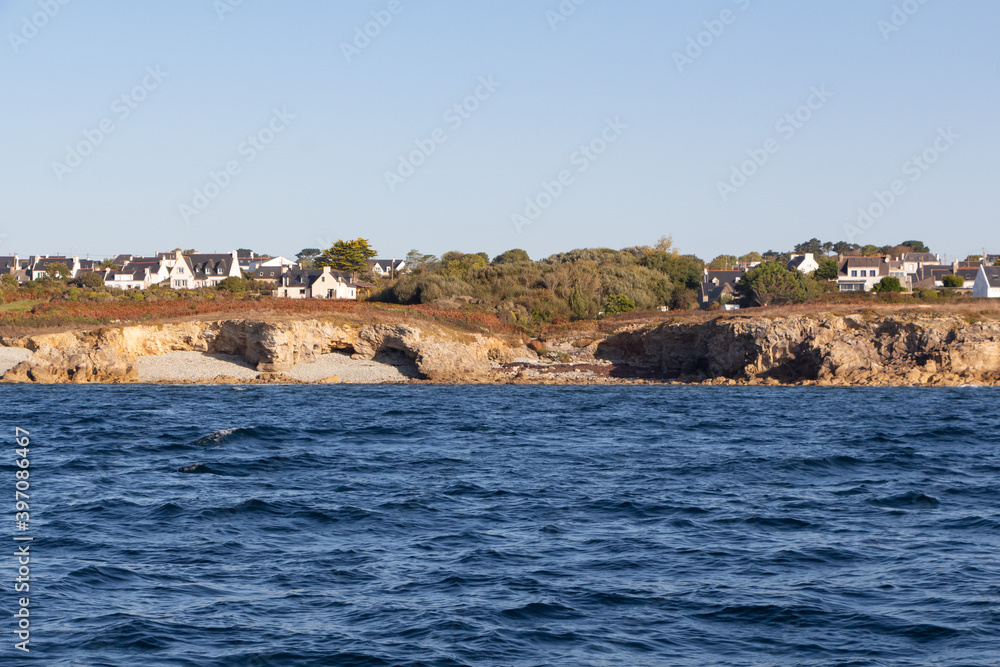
[987,283]
[125,279]
[386,268]
[316,284]
[203,270]
[861,274]
[806,263]
[38,266]
[279,262]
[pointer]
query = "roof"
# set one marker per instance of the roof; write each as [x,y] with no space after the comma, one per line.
[203,266]
[992,275]
[301,277]
[43,263]
[268,272]
[386,264]
[723,277]
[10,264]
[796,262]
[920,257]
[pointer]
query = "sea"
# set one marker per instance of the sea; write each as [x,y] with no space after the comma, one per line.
[501,525]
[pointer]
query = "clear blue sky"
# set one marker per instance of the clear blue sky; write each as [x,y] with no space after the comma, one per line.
[323,176]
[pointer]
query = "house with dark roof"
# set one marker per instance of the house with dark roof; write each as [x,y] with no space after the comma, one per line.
[386,268]
[718,284]
[268,274]
[861,274]
[316,284]
[38,266]
[131,277]
[987,283]
[138,273]
[10,265]
[203,270]
[806,263]
[931,276]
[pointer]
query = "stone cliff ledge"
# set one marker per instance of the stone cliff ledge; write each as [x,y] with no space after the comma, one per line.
[854,350]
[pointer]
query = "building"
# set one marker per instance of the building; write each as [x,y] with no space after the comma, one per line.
[128,278]
[316,284]
[203,270]
[268,274]
[718,284]
[138,273]
[806,263]
[10,265]
[861,274]
[987,284]
[38,266]
[386,268]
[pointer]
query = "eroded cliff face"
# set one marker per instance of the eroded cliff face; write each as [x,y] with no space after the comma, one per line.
[851,350]
[108,355]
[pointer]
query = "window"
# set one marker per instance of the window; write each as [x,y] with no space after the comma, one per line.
[854,274]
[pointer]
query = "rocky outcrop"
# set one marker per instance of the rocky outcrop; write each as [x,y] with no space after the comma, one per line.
[850,350]
[445,357]
[108,355]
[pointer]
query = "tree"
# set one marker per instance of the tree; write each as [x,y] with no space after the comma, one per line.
[829,268]
[512,257]
[91,279]
[638,251]
[109,264]
[307,257]
[916,246]
[348,256]
[234,285]
[827,248]
[416,260]
[8,281]
[749,258]
[772,284]
[246,251]
[953,281]
[685,270]
[974,259]
[190,251]
[887,285]
[844,248]
[815,246]
[57,270]
[722,263]
[997,262]
[666,244]
[619,303]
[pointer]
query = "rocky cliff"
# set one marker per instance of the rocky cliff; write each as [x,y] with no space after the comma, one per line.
[849,350]
[831,350]
[109,355]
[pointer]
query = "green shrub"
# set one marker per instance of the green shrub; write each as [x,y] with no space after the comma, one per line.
[953,281]
[619,303]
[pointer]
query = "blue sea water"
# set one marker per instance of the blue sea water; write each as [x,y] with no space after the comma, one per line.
[423,525]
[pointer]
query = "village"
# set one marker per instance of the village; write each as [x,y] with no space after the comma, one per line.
[300,279]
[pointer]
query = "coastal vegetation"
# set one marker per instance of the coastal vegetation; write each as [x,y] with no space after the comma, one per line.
[509,292]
